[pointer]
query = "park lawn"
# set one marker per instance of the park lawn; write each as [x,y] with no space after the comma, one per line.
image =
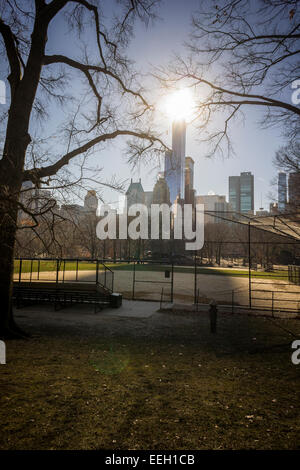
[184,389]
[51,266]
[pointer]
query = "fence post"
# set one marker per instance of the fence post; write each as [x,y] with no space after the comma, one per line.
[57,270]
[232,301]
[195,279]
[20,270]
[38,274]
[172,281]
[161,297]
[133,280]
[97,269]
[31,266]
[249,262]
[77,270]
[272,303]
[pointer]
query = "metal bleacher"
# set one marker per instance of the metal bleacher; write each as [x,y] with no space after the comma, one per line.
[60,293]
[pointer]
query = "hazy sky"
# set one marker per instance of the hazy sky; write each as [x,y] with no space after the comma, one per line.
[254,147]
[154,45]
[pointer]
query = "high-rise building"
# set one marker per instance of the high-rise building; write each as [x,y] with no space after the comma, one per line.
[91,201]
[215,207]
[234,193]
[135,194]
[241,193]
[247,192]
[161,193]
[175,161]
[189,181]
[294,190]
[282,192]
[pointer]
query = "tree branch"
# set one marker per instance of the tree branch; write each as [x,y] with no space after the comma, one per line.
[85,68]
[13,56]
[35,174]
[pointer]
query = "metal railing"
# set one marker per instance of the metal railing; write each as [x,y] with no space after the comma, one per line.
[64,270]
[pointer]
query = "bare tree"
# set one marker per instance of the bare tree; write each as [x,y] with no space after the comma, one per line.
[111,103]
[88,236]
[241,54]
[287,158]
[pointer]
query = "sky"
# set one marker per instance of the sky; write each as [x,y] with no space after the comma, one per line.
[254,147]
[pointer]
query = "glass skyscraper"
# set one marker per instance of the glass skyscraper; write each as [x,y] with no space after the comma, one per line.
[234,193]
[241,193]
[175,161]
[282,191]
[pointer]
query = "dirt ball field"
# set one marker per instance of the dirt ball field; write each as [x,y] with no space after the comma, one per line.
[148,285]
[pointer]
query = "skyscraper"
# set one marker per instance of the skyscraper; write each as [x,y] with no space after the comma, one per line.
[161,193]
[294,190]
[135,194]
[175,161]
[189,181]
[241,193]
[215,207]
[234,193]
[282,191]
[91,202]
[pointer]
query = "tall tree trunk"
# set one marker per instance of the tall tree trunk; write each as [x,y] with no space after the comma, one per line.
[23,91]
[8,227]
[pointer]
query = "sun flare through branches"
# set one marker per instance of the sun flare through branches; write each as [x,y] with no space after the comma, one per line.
[179,105]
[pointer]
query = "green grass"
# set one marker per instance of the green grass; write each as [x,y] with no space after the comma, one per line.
[178,388]
[85,266]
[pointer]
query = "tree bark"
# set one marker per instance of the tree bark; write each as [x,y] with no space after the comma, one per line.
[8,227]
[23,92]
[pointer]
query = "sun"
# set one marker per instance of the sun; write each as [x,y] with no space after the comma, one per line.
[179,105]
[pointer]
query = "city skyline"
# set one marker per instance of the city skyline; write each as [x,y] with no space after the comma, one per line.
[254,146]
